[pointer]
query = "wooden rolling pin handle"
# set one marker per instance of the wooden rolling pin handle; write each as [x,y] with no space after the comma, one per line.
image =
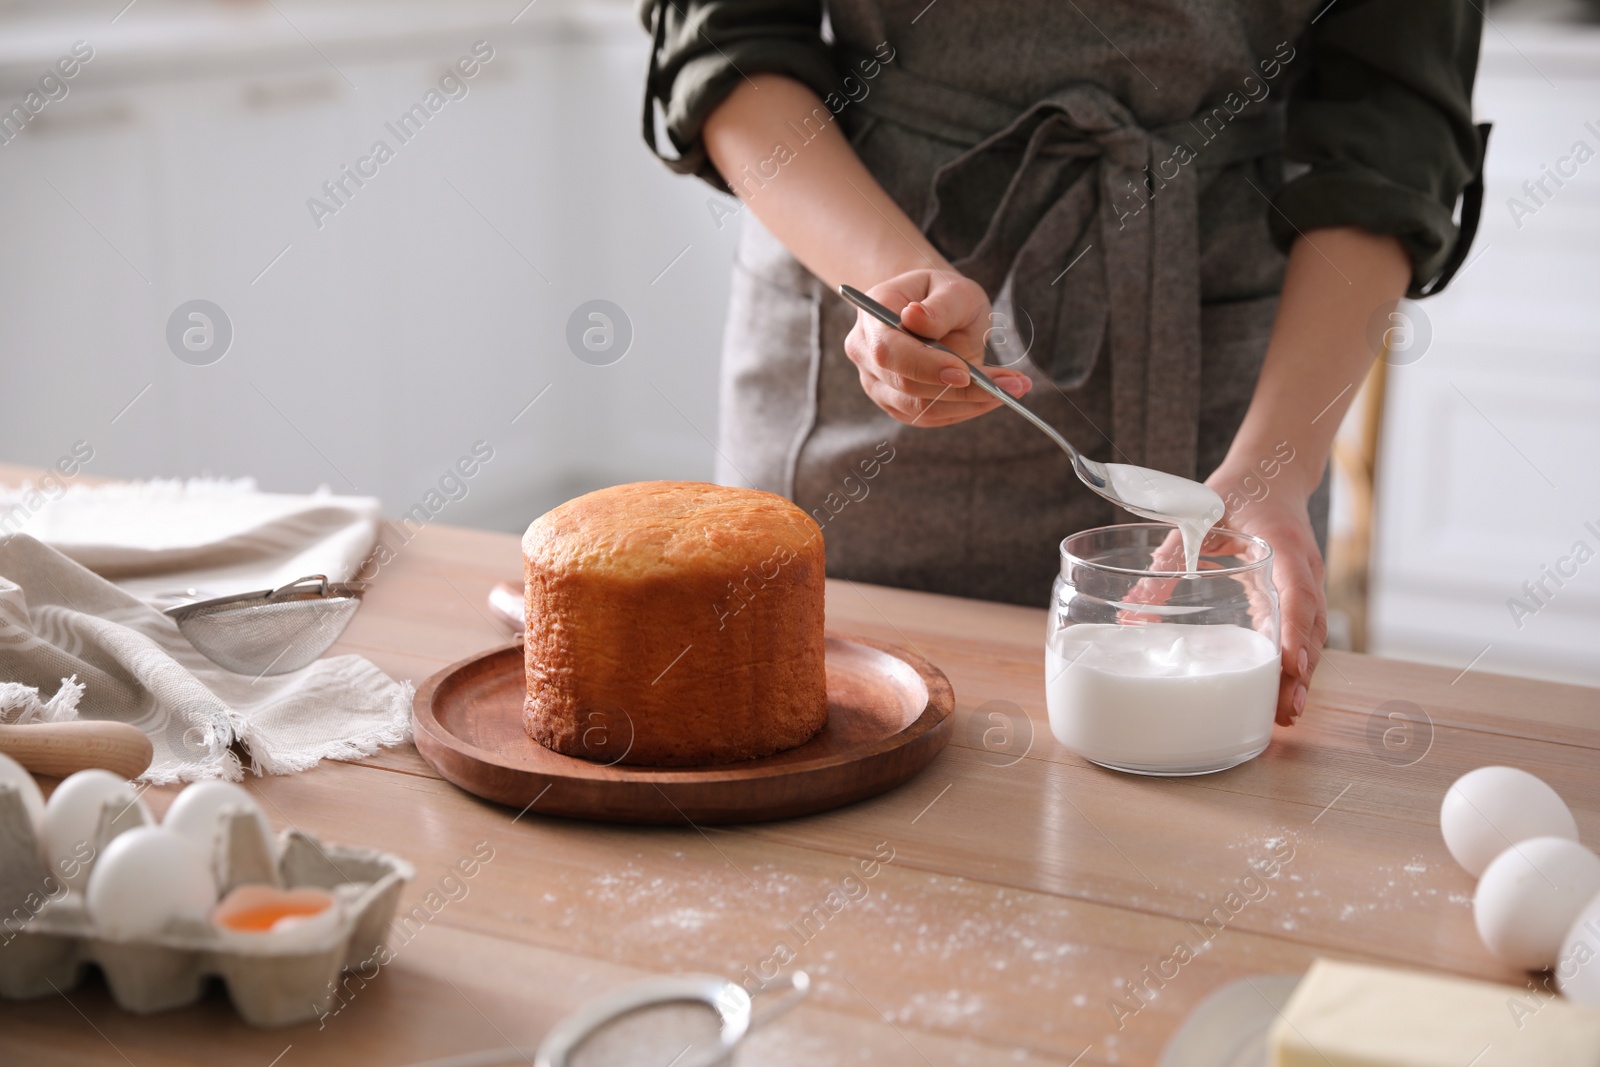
[505,604]
[62,748]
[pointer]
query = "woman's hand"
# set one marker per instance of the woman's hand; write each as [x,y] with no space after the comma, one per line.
[916,384]
[1317,357]
[1276,512]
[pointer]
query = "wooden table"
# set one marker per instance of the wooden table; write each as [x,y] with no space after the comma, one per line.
[1025,893]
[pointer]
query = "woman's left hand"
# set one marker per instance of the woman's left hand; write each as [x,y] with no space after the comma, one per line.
[1276,512]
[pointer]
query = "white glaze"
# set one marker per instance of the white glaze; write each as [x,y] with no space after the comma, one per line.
[1190,506]
[1162,696]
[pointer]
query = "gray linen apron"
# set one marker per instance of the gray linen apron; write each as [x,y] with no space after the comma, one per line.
[1018,136]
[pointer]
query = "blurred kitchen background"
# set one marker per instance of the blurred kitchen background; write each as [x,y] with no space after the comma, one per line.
[373,346]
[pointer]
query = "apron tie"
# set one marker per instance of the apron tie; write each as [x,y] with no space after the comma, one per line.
[1056,218]
[1083,227]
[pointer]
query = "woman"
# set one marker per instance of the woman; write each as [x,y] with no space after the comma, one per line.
[1182,224]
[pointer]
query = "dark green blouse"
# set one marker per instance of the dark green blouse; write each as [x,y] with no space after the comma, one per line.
[1379,115]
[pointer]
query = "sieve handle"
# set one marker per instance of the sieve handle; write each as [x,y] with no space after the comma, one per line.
[799,986]
[63,748]
[319,581]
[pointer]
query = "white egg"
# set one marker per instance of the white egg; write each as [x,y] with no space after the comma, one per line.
[1530,894]
[13,773]
[1578,967]
[145,879]
[1490,809]
[72,815]
[197,813]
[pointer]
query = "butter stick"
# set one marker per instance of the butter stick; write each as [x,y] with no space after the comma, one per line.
[1352,1015]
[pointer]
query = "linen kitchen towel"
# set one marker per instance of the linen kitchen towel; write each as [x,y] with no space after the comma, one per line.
[74,644]
[220,536]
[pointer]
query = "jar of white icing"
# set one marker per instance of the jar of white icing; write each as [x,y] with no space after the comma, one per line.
[1155,671]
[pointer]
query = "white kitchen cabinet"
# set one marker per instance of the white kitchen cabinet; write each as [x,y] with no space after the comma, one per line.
[415,320]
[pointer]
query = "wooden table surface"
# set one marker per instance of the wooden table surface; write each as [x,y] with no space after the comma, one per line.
[1027,889]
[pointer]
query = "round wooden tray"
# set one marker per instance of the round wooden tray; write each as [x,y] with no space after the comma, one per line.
[888,715]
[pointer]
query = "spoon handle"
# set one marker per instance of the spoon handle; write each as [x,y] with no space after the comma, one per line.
[1087,469]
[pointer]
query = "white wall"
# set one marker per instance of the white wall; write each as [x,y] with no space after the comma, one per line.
[1489,470]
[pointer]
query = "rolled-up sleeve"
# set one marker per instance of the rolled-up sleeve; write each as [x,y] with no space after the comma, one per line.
[704,48]
[1381,121]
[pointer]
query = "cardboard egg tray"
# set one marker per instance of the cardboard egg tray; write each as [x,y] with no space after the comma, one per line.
[47,939]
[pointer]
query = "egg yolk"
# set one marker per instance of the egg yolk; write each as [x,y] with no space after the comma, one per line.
[268,916]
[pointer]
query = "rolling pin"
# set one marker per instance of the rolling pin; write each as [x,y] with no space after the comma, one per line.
[62,748]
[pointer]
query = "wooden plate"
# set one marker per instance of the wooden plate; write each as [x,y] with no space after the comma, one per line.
[888,716]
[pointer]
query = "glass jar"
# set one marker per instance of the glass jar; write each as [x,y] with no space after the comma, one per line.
[1154,671]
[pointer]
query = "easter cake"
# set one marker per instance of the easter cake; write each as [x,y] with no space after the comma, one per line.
[674,624]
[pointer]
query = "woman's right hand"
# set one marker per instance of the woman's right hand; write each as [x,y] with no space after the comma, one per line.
[837,220]
[918,385]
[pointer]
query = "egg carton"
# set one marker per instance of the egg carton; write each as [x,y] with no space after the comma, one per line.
[47,938]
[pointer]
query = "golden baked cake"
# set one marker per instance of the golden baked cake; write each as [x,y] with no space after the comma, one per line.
[674,624]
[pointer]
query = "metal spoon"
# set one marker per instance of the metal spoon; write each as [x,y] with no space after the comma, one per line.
[1194,508]
[1090,472]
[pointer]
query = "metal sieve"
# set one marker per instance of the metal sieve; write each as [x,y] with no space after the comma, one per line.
[672,1020]
[270,631]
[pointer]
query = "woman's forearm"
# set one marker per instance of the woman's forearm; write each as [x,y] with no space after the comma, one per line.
[783,154]
[1320,352]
